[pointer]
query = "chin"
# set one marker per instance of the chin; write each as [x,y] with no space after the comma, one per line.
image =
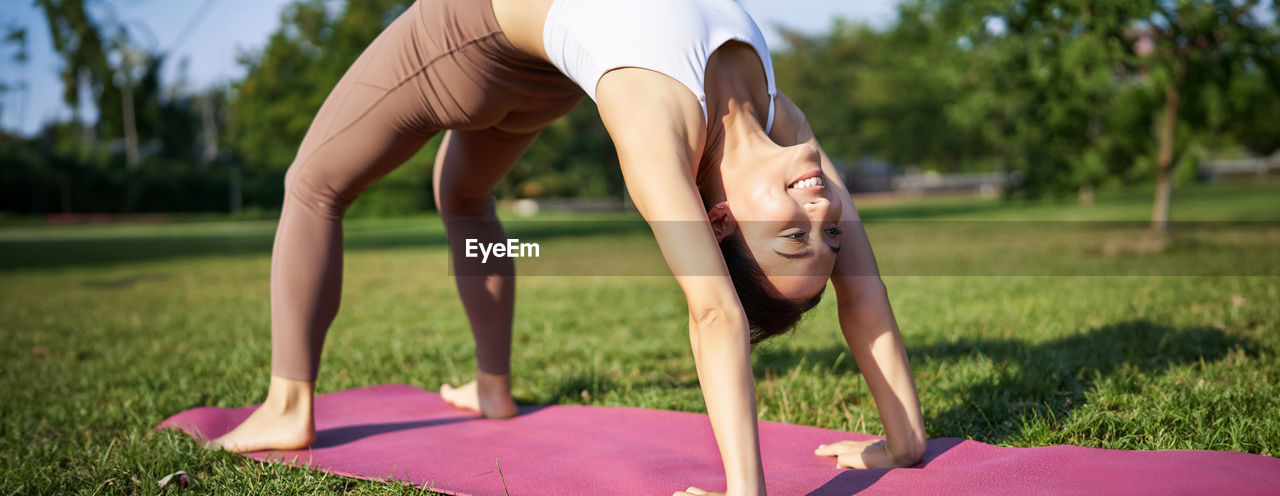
[799,287]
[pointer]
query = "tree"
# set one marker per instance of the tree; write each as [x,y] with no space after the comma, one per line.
[1040,86]
[885,94]
[122,80]
[15,37]
[78,40]
[1063,92]
[1193,49]
[289,79]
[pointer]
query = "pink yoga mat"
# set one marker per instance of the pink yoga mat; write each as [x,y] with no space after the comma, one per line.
[404,433]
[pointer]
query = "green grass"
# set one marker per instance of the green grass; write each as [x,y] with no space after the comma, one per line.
[109,329]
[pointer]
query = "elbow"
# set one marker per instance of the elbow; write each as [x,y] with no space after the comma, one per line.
[717,322]
[707,318]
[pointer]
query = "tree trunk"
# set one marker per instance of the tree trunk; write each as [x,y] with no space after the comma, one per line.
[86,130]
[64,188]
[1085,195]
[236,196]
[130,125]
[1164,161]
[209,130]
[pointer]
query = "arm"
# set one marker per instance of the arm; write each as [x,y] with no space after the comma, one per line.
[657,157]
[869,328]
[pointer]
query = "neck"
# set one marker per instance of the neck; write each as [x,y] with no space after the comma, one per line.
[735,121]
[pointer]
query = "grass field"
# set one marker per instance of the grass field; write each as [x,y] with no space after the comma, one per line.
[108,329]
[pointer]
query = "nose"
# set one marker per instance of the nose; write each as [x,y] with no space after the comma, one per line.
[817,208]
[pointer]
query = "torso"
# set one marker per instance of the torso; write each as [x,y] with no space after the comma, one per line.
[523,21]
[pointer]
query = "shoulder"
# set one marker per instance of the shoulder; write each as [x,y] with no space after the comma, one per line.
[643,110]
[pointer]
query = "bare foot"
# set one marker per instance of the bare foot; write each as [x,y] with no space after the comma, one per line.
[283,422]
[489,394]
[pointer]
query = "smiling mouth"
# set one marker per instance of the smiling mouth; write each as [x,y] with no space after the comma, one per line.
[811,179]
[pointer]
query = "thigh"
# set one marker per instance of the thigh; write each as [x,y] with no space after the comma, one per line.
[471,162]
[469,165]
[344,163]
[365,128]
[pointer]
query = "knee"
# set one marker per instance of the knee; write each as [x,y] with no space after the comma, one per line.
[457,206]
[314,194]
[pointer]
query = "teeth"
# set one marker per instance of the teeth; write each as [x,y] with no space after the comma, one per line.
[808,183]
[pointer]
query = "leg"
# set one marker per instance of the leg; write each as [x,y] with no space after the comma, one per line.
[356,138]
[469,165]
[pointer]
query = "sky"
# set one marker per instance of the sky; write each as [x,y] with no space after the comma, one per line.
[208,35]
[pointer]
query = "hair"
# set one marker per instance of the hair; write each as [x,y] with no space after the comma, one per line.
[767,315]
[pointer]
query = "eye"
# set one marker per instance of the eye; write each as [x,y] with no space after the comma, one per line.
[834,232]
[797,235]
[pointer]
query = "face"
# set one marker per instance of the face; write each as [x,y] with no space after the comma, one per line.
[786,214]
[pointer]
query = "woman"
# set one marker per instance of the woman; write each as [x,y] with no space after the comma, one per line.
[711,154]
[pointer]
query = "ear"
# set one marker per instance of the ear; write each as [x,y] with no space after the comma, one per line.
[722,222]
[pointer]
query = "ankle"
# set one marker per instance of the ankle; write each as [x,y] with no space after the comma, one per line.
[287,396]
[489,384]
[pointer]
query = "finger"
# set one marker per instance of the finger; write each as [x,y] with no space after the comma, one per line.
[873,455]
[695,491]
[832,449]
[851,460]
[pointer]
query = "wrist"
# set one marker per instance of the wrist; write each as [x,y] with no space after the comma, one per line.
[904,454]
[745,488]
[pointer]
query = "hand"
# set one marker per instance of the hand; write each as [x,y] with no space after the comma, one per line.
[872,453]
[693,491]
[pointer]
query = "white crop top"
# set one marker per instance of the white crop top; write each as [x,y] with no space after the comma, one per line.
[587,38]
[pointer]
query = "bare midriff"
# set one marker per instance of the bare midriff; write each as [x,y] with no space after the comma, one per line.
[522,21]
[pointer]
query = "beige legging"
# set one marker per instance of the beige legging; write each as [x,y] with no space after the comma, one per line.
[443,64]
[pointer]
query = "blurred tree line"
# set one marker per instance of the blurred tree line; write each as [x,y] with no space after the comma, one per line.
[152,147]
[1069,96]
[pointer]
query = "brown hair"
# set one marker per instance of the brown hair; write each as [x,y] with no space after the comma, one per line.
[767,315]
